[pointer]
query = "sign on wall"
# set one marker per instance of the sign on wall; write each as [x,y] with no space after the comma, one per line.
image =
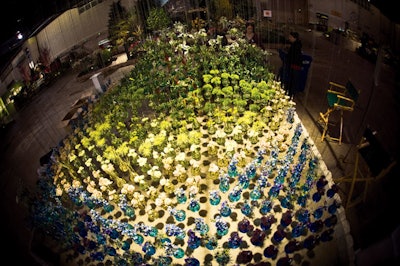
[267,13]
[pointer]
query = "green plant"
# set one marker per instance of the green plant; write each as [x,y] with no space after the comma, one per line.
[158,19]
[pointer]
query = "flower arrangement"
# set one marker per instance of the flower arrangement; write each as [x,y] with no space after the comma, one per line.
[221,225]
[188,112]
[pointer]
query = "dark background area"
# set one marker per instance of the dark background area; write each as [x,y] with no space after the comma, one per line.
[25,15]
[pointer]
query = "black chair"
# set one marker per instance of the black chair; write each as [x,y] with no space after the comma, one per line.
[378,163]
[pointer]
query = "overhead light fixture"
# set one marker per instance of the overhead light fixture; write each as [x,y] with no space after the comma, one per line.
[19,35]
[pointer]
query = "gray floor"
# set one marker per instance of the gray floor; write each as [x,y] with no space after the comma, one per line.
[38,127]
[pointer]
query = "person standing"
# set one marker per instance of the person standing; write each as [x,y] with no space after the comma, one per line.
[251,36]
[292,62]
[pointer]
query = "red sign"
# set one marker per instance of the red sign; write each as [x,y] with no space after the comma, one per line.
[267,13]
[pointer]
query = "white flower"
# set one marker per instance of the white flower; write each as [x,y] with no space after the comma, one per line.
[138,178]
[194,147]
[134,202]
[159,202]
[90,188]
[230,145]
[180,157]
[149,209]
[221,155]
[248,146]
[252,133]
[213,168]
[194,163]
[76,183]
[179,191]
[168,161]
[237,130]
[127,189]
[80,169]
[99,158]
[88,162]
[59,191]
[163,181]
[167,201]
[105,181]
[154,172]
[151,191]
[136,195]
[212,144]
[97,194]
[142,161]
[179,170]
[220,133]
[132,153]
[108,167]
[197,178]
[91,182]
[213,42]
[193,190]
[279,138]
[162,195]
[189,180]
[276,118]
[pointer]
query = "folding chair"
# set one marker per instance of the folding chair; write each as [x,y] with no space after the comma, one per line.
[377,165]
[340,98]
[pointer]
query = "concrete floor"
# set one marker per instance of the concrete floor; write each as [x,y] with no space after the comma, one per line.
[38,127]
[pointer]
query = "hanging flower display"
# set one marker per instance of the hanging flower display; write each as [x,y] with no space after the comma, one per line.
[207,127]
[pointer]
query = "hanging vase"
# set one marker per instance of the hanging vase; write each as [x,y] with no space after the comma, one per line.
[224,184]
[194,205]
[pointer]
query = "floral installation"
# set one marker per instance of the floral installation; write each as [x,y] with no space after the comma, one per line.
[191,115]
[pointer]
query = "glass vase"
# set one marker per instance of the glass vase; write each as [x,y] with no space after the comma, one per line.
[148,249]
[224,185]
[234,241]
[244,226]
[246,209]
[180,215]
[179,253]
[211,243]
[194,205]
[255,194]
[193,241]
[225,210]
[244,181]
[222,232]
[181,198]
[215,199]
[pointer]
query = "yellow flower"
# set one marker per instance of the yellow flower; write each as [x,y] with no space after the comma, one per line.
[182,139]
[146,148]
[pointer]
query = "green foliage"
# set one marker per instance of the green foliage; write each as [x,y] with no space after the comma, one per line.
[117,23]
[158,19]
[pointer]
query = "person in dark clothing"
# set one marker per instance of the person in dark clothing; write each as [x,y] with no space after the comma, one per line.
[292,63]
[251,36]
